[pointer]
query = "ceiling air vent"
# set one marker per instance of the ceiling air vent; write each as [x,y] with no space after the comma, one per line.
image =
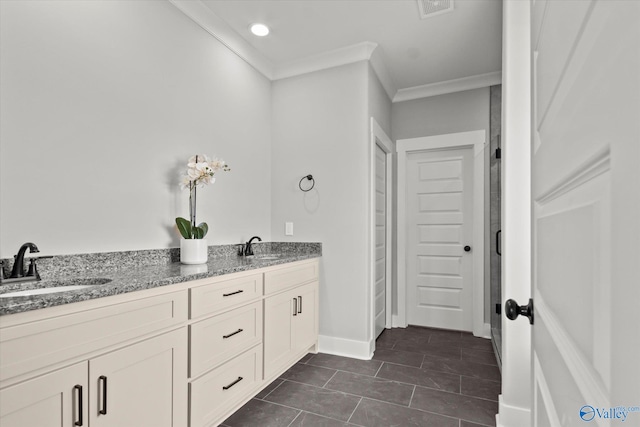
[429,8]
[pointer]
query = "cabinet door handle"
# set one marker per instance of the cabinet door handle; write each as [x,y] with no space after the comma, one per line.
[79,404]
[227,387]
[232,334]
[299,304]
[103,380]
[233,293]
[295,306]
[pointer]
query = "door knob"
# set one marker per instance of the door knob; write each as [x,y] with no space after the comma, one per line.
[513,310]
[467,248]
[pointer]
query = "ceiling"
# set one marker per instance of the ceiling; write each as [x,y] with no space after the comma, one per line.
[460,44]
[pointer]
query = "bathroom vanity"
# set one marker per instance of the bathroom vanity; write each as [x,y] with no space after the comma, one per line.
[178,354]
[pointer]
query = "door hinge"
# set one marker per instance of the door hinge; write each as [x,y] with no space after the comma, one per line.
[498,308]
[498,153]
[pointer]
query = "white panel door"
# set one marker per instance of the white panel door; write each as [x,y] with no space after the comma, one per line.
[439,224]
[381,243]
[586,210]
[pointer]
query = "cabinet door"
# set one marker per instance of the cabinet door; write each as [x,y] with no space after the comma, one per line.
[305,325]
[278,338]
[141,385]
[50,400]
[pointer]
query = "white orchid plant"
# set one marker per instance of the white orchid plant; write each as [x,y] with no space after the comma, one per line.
[200,172]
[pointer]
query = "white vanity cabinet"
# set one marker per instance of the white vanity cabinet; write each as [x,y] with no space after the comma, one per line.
[290,316]
[117,364]
[56,399]
[188,354]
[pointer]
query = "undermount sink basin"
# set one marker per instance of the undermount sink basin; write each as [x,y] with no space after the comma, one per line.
[54,286]
[268,257]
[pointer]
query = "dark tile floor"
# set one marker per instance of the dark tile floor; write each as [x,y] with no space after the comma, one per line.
[418,377]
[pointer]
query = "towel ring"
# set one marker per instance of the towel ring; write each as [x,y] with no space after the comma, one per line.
[309,178]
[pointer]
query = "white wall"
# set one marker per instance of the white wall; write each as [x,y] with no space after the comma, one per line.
[437,115]
[101,104]
[450,113]
[320,127]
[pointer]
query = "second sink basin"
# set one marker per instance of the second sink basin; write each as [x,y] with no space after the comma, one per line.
[54,286]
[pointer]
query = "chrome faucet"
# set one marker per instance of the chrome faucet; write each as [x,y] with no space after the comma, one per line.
[248,250]
[17,273]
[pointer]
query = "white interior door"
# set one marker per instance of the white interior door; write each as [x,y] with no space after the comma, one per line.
[439,210]
[586,210]
[381,241]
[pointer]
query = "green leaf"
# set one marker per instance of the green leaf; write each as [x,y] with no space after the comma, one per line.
[205,229]
[184,227]
[198,233]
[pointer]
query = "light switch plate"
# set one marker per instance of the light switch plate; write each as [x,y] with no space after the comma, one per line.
[288,229]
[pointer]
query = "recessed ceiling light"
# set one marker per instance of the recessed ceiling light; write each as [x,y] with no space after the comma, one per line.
[259,30]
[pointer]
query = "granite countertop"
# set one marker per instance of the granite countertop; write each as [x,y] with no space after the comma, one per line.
[137,277]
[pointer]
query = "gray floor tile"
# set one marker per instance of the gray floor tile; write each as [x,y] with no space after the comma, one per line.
[306,358]
[484,389]
[469,341]
[263,414]
[398,357]
[318,400]
[272,385]
[421,377]
[464,423]
[357,366]
[371,413]
[432,349]
[308,374]
[386,340]
[307,419]
[375,388]
[470,369]
[479,356]
[455,405]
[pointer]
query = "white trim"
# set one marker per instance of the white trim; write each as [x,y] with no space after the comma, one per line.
[344,347]
[510,416]
[478,140]
[199,13]
[449,86]
[333,58]
[380,138]
[380,68]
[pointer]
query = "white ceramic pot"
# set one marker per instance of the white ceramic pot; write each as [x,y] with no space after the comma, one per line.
[193,251]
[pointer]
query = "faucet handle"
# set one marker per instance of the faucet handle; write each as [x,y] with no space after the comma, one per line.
[33,269]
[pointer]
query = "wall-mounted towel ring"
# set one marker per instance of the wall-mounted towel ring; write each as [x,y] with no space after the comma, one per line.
[308,178]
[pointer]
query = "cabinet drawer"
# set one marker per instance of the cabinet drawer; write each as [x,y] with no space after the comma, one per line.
[214,297]
[38,344]
[216,392]
[286,277]
[219,338]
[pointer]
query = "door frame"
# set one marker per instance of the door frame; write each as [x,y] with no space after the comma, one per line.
[478,141]
[379,138]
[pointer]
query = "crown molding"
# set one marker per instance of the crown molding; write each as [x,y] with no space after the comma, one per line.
[219,29]
[448,86]
[330,59]
[381,70]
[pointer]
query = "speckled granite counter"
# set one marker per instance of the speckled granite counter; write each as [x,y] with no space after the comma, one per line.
[137,270]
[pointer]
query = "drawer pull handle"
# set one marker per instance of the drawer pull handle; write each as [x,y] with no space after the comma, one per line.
[232,334]
[227,387]
[233,293]
[295,306]
[103,380]
[299,305]
[79,403]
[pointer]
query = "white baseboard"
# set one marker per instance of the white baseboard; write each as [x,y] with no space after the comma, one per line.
[512,416]
[345,347]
